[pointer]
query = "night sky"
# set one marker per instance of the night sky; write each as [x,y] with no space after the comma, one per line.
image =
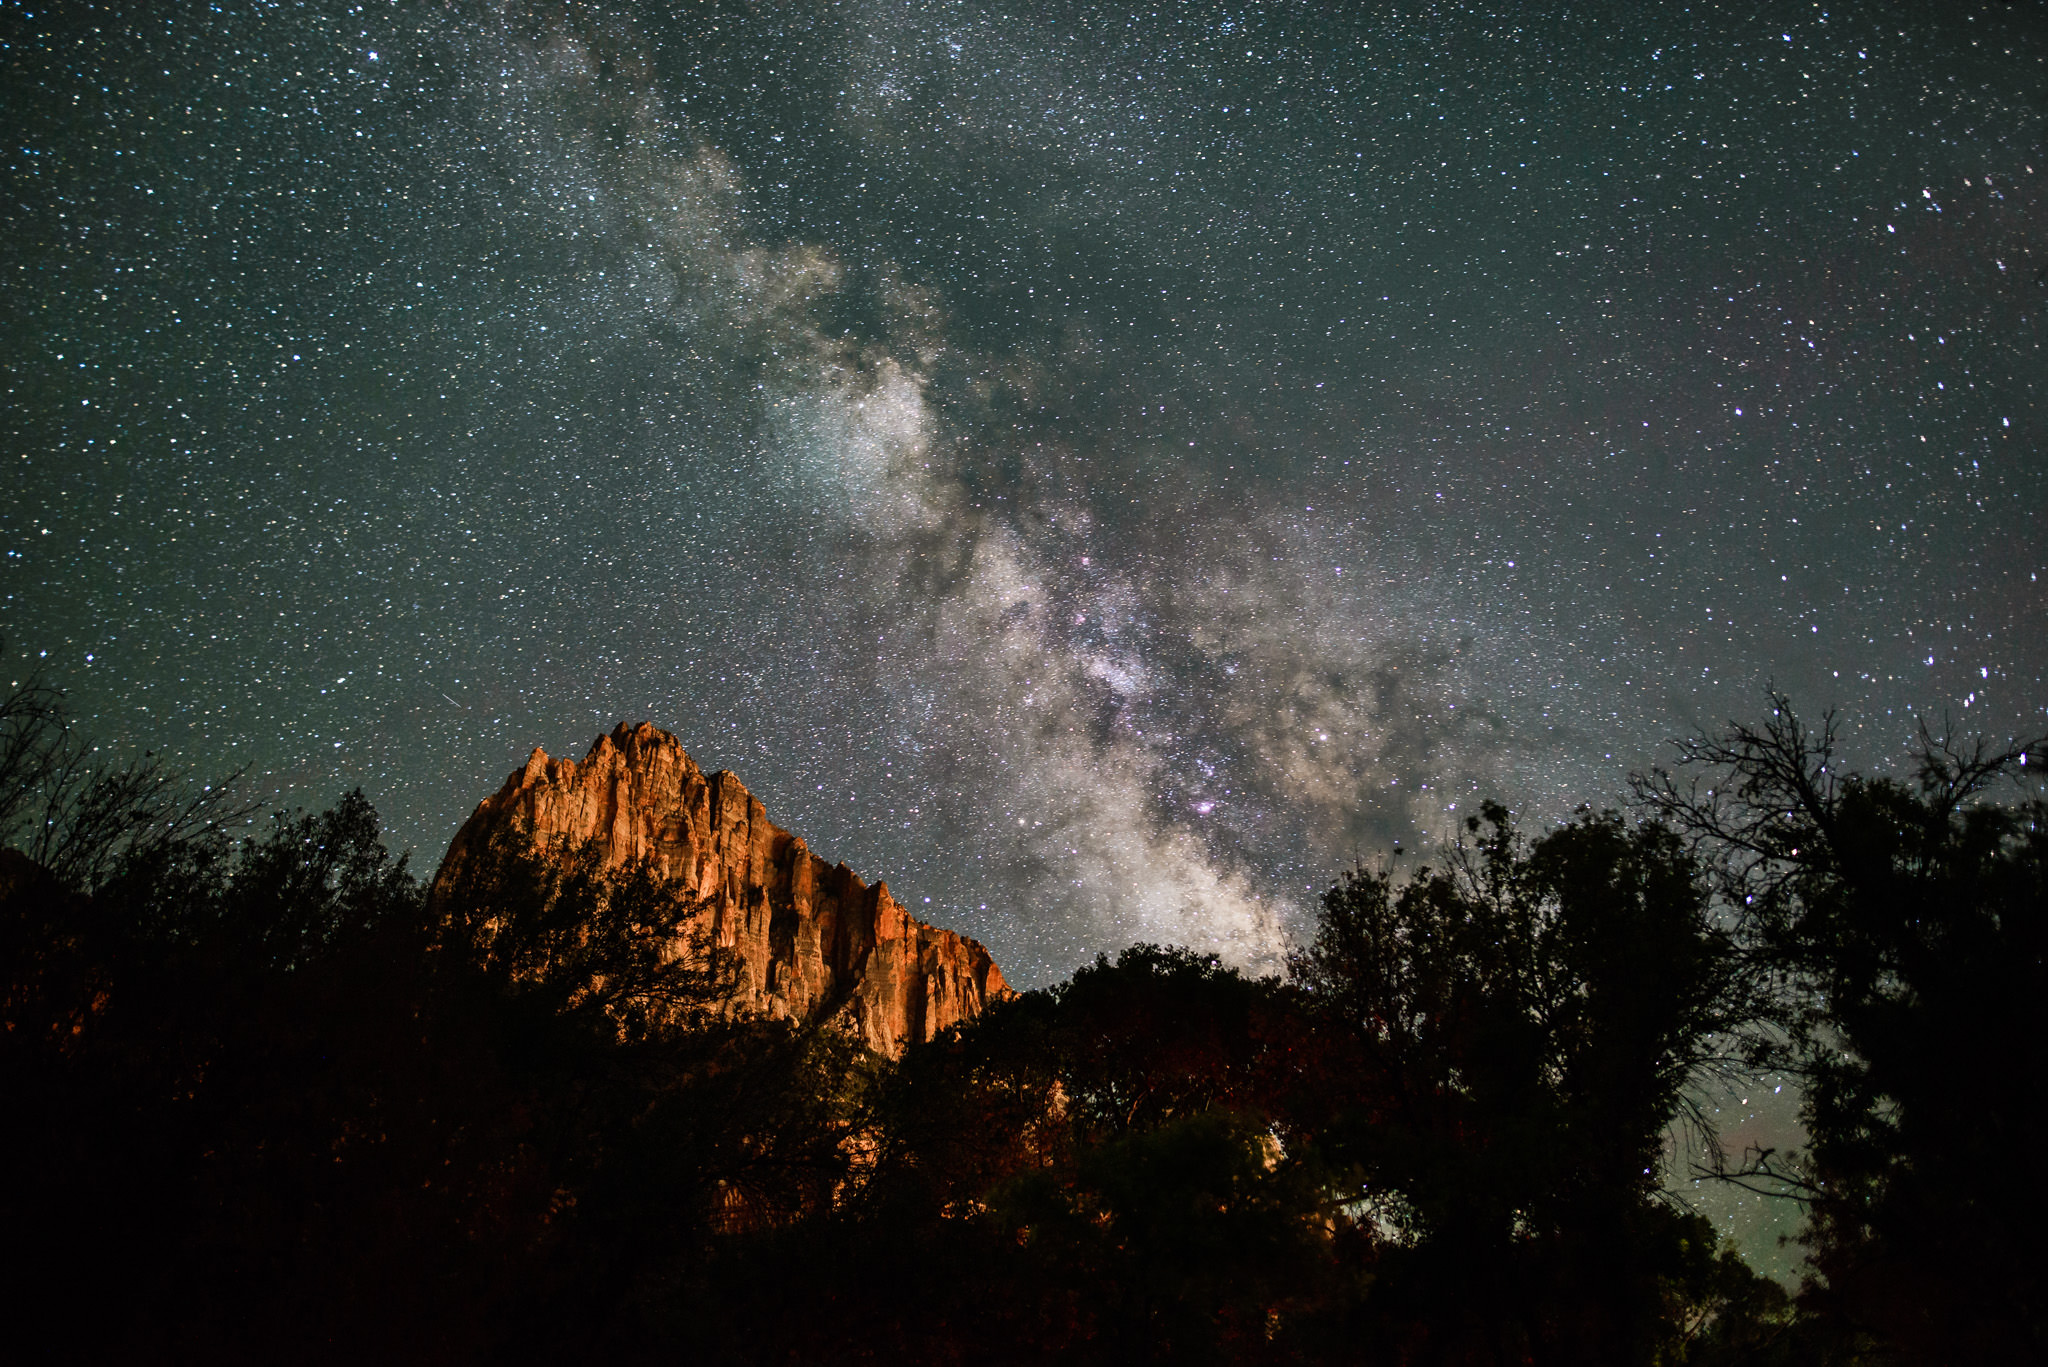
[1101,471]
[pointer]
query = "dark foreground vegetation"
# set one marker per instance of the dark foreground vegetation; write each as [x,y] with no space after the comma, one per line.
[276,1101]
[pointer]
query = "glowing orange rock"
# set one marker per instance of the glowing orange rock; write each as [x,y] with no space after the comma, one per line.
[811,937]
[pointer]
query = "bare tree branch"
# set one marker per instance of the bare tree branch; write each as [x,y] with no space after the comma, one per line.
[80,813]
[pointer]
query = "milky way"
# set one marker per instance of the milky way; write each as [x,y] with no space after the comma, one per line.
[1102,472]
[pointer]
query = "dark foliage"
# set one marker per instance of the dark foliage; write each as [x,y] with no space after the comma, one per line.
[275,1100]
[1098,1172]
[1523,1028]
[277,1103]
[1907,926]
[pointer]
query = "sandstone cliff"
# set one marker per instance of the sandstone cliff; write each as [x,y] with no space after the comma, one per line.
[813,939]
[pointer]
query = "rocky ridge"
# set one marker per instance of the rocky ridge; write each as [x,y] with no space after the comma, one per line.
[812,938]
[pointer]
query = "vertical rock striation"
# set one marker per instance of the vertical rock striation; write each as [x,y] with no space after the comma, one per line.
[812,938]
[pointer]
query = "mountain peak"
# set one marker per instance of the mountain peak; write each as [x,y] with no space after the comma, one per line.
[813,939]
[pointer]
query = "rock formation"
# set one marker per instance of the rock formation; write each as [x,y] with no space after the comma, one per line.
[812,938]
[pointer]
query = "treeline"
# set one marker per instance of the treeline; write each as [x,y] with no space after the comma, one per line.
[276,1099]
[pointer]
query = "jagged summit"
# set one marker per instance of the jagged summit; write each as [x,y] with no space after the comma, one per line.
[812,937]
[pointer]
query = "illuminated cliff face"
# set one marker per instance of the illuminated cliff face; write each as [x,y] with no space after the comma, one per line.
[813,939]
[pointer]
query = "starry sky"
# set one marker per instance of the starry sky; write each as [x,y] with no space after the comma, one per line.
[1102,470]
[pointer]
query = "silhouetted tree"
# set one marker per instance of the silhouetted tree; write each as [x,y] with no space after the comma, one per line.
[1171,1204]
[1097,1172]
[78,812]
[270,1102]
[1908,926]
[1526,1023]
[273,1098]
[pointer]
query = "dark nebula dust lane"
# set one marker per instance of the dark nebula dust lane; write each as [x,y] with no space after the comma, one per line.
[1102,471]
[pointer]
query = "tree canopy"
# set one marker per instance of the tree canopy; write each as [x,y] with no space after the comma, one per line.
[272,1096]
